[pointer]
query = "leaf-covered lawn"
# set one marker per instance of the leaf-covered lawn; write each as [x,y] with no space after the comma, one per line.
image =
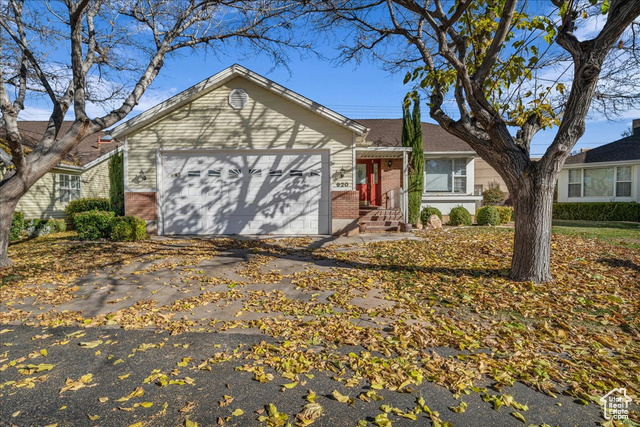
[400,301]
[616,233]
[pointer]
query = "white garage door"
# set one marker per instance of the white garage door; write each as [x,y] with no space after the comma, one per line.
[246,192]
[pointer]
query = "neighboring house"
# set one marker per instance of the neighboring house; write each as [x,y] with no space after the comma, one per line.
[82,173]
[454,174]
[607,173]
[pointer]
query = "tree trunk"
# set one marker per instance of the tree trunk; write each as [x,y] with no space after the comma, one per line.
[7,208]
[532,205]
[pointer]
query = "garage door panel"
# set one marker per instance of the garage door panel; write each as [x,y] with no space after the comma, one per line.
[240,193]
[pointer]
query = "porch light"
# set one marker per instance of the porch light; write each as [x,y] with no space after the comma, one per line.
[389,163]
[342,172]
[142,175]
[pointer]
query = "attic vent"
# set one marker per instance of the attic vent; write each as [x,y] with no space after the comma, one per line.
[238,98]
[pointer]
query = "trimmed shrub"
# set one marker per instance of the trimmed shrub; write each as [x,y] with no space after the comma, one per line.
[87,204]
[602,211]
[488,215]
[128,229]
[427,212]
[41,227]
[459,216]
[17,225]
[506,214]
[493,195]
[93,225]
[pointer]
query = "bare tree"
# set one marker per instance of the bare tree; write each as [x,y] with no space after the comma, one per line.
[78,52]
[499,71]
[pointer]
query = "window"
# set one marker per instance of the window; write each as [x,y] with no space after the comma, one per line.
[256,172]
[69,187]
[215,172]
[575,182]
[600,182]
[275,172]
[193,173]
[623,181]
[234,173]
[446,175]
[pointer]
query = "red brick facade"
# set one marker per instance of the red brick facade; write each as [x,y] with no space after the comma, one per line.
[391,181]
[345,204]
[142,205]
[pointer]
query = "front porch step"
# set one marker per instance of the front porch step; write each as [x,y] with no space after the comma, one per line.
[380,215]
[381,228]
[381,223]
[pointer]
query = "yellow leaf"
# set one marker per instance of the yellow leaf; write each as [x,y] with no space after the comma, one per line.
[90,344]
[189,423]
[122,377]
[62,408]
[237,412]
[43,352]
[291,385]
[103,399]
[93,417]
[138,424]
[518,416]
[146,404]
[15,414]
[340,397]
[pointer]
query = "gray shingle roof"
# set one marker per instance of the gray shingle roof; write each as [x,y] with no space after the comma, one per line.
[388,133]
[621,150]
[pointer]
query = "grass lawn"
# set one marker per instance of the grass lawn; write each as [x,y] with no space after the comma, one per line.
[394,303]
[617,233]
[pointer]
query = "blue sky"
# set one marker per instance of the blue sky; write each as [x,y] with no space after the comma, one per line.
[354,90]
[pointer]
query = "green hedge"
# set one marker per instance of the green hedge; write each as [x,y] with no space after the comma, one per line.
[506,214]
[459,216]
[87,204]
[128,229]
[488,215]
[41,227]
[17,225]
[93,225]
[427,212]
[603,211]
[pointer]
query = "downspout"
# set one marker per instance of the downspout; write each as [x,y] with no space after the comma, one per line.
[405,180]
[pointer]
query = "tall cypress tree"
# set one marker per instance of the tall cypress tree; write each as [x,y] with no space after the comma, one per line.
[412,137]
[116,181]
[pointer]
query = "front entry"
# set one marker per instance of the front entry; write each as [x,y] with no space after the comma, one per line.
[368,182]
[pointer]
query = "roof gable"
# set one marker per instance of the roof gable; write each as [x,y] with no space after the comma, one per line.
[219,79]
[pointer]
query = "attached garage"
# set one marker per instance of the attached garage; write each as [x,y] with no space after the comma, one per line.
[244,192]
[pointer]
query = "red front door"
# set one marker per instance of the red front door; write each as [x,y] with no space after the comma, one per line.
[368,181]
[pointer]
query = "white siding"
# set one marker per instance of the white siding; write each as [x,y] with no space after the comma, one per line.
[43,199]
[267,121]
